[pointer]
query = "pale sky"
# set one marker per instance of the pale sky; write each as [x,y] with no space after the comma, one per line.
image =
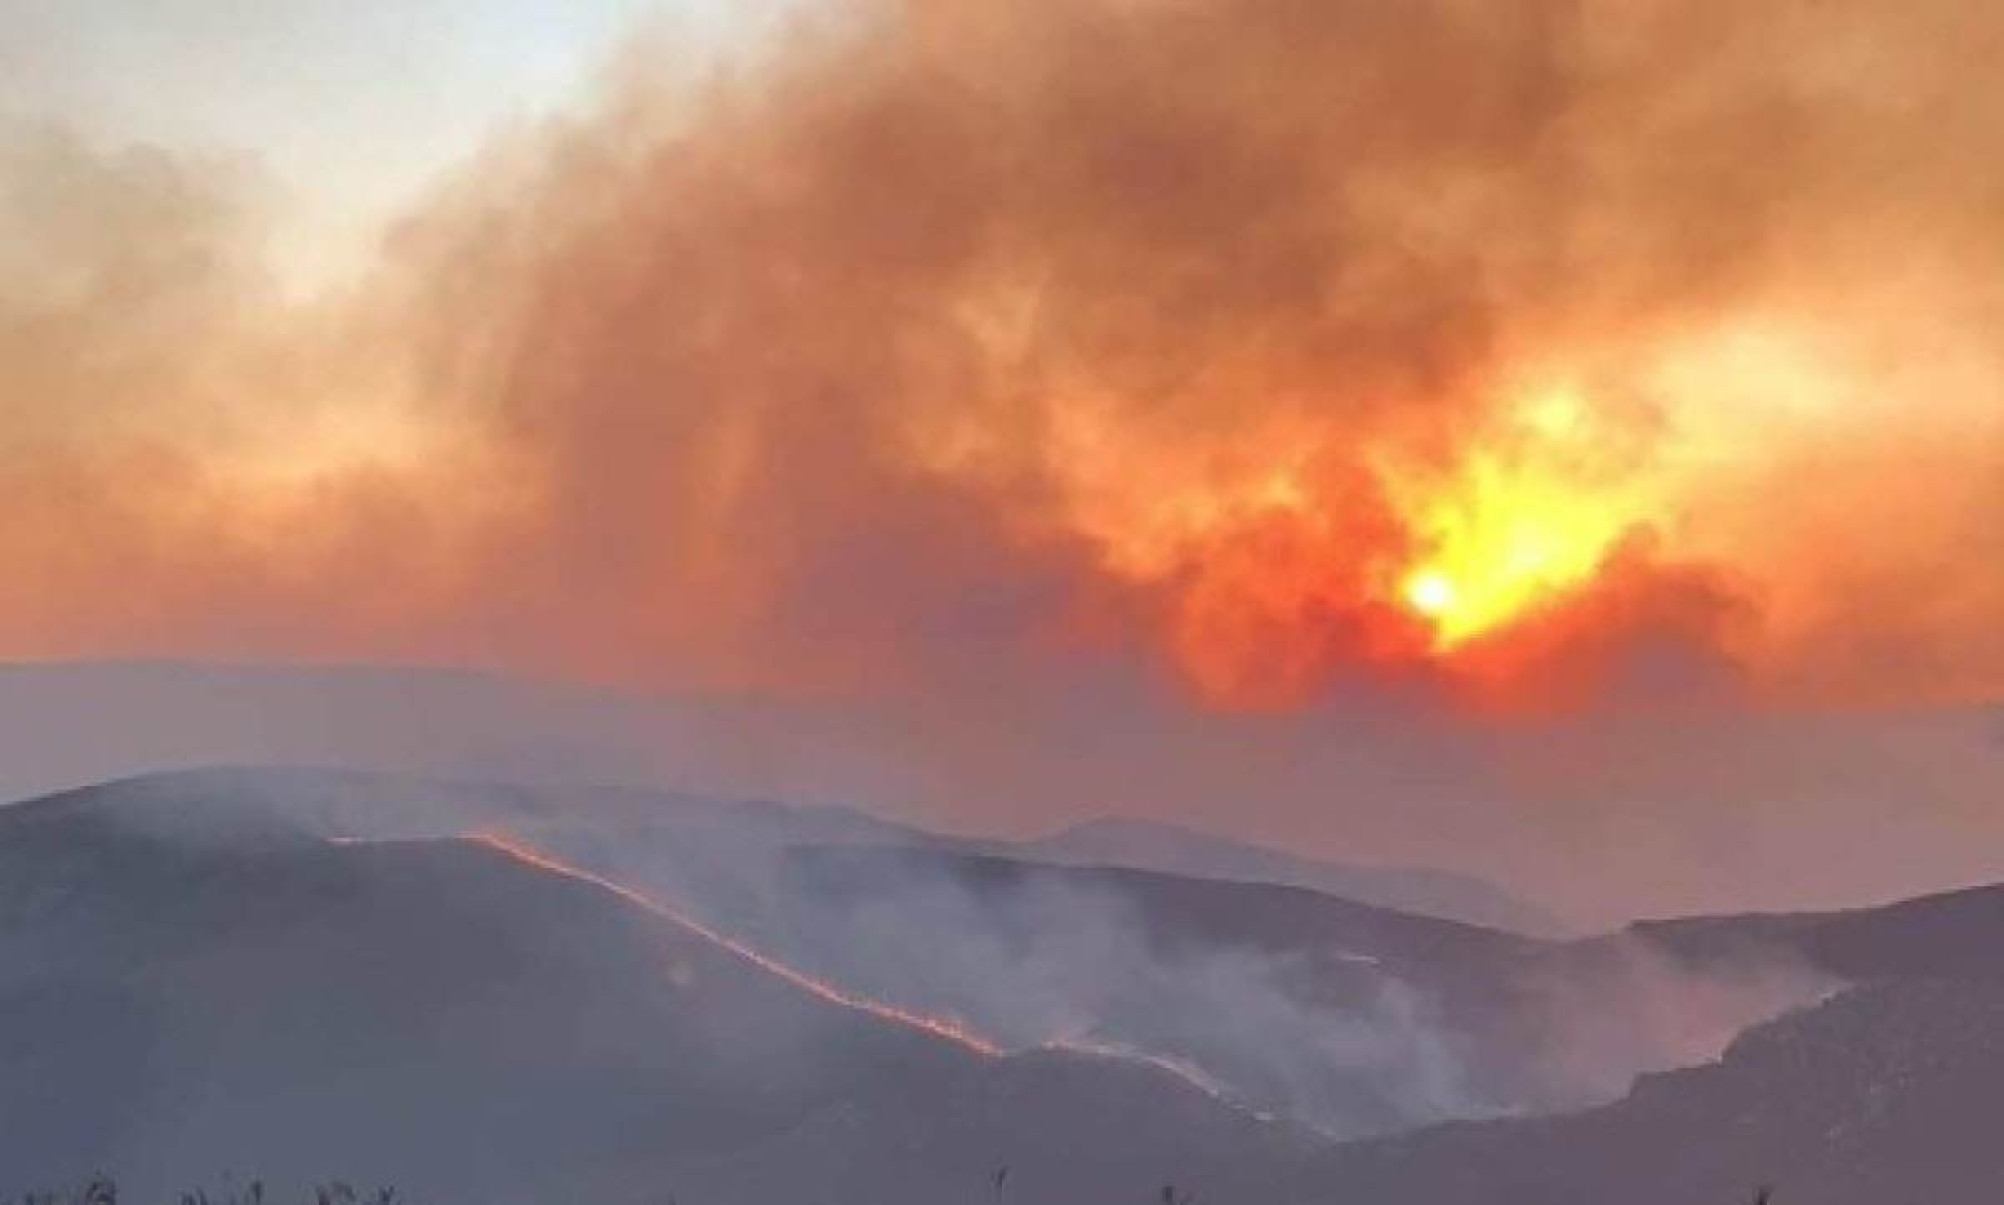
[352,106]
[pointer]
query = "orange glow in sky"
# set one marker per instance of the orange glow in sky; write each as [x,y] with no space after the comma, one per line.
[1517,523]
[1234,345]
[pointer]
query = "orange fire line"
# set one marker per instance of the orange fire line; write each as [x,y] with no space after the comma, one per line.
[514,847]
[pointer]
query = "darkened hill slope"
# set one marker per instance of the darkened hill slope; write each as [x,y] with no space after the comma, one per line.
[1356,1018]
[1361,1019]
[1950,934]
[1151,845]
[1176,910]
[211,985]
[175,1002]
[1885,1093]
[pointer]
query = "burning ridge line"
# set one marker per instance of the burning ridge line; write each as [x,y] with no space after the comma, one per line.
[528,855]
[516,849]
[1181,1069]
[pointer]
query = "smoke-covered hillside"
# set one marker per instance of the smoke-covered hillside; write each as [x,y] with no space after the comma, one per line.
[444,1016]
[1346,1017]
[484,993]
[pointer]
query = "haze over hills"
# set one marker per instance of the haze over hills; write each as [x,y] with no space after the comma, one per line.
[1320,788]
[1349,1017]
[187,994]
[64,725]
[202,969]
[1153,845]
[1886,1092]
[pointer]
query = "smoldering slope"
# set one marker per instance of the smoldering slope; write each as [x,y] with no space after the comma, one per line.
[1351,1026]
[1349,1020]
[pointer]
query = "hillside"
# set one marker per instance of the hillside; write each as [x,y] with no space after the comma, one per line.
[1353,1018]
[1152,845]
[298,975]
[1884,1093]
[444,1017]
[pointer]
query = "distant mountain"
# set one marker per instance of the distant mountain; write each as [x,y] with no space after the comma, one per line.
[1906,782]
[68,724]
[1151,845]
[336,802]
[1951,934]
[179,998]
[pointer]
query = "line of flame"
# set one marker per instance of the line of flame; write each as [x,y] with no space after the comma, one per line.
[1188,1072]
[514,847]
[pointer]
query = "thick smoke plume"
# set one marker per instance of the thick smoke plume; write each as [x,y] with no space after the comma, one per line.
[1526,352]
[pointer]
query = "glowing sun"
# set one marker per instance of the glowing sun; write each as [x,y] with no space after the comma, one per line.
[1432,594]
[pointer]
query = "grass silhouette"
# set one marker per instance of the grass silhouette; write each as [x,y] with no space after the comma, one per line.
[103,1190]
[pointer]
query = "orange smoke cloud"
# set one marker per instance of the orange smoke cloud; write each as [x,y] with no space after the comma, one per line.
[1512,351]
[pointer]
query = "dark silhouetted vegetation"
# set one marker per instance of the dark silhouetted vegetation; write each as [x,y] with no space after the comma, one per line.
[102,1190]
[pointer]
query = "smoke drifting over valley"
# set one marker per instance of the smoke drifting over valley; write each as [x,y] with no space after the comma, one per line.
[1294,1006]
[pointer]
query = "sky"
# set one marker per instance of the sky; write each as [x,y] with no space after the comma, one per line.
[1202,372]
[351,110]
